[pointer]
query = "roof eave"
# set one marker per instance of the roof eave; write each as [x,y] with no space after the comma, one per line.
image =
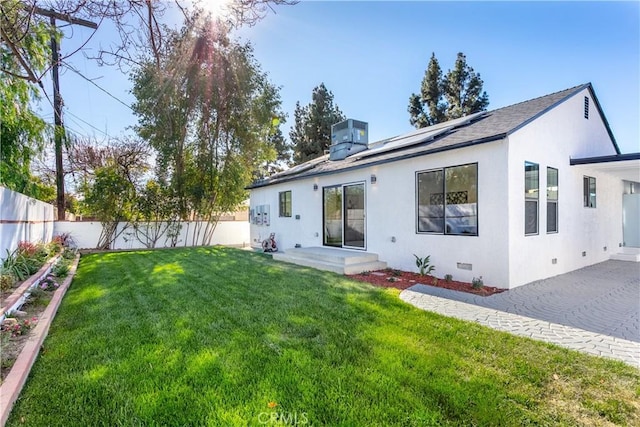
[385,161]
[604,159]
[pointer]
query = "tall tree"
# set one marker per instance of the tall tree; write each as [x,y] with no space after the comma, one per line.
[311,133]
[207,109]
[112,178]
[22,132]
[458,93]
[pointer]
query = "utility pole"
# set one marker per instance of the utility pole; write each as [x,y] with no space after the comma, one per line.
[59,132]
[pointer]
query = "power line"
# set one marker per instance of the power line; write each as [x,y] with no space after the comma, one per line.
[87,123]
[96,85]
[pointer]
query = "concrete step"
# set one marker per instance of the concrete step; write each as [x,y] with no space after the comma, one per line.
[335,260]
[626,257]
[630,250]
[332,255]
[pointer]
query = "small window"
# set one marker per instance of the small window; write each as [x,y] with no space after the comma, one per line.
[589,192]
[531,190]
[552,200]
[586,107]
[285,203]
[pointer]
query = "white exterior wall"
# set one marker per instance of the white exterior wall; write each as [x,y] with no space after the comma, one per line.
[551,140]
[23,218]
[86,234]
[391,212]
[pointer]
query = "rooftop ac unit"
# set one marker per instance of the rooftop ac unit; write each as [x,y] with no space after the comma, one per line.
[347,138]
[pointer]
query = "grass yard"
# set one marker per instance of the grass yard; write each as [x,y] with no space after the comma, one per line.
[223,337]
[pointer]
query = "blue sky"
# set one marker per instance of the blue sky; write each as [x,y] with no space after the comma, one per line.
[372,56]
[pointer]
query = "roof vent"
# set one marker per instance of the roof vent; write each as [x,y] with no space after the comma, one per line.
[348,137]
[586,107]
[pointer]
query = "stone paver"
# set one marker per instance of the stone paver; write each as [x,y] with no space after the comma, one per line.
[565,336]
[602,298]
[595,309]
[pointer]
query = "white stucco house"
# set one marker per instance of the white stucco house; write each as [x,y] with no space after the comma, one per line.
[514,195]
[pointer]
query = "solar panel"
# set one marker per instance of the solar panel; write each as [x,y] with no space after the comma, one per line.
[301,168]
[419,136]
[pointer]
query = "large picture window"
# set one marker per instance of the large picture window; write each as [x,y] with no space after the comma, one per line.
[531,190]
[552,200]
[448,200]
[589,191]
[284,203]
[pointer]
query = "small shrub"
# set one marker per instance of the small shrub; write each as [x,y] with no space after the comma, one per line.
[20,327]
[65,240]
[424,265]
[69,254]
[16,265]
[38,297]
[7,280]
[61,269]
[42,253]
[477,283]
[27,248]
[435,281]
[54,248]
[396,272]
[448,278]
[48,284]
[365,273]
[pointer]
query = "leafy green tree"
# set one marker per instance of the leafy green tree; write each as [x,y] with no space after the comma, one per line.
[311,133]
[111,198]
[22,132]
[111,178]
[154,214]
[458,93]
[207,109]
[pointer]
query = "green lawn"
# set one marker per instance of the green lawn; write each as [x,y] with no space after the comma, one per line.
[215,336]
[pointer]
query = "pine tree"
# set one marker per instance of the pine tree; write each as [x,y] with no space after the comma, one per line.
[457,94]
[311,133]
[463,90]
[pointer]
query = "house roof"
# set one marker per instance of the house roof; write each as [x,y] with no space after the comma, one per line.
[470,130]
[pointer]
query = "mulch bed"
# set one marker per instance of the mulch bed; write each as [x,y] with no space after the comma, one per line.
[402,280]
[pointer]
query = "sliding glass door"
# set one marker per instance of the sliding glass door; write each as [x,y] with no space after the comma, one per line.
[332,201]
[344,216]
[354,216]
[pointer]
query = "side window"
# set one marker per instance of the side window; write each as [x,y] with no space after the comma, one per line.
[531,190]
[552,200]
[284,203]
[589,192]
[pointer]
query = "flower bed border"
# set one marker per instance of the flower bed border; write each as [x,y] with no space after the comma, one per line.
[17,297]
[12,386]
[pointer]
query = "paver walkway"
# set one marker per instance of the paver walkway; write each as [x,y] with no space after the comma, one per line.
[595,309]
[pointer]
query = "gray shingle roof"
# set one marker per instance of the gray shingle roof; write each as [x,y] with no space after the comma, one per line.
[491,126]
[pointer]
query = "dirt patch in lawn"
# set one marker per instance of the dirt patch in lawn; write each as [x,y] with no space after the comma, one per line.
[402,280]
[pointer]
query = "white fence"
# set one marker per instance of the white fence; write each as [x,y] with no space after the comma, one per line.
[86,234]
[23,219]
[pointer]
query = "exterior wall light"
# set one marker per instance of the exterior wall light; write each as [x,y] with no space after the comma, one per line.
[315,187]
[373,179]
